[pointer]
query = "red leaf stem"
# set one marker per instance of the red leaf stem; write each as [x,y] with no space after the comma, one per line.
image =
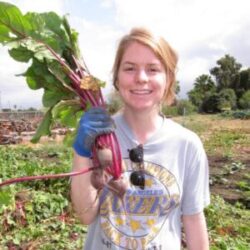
[91,98]
[78,67]
[42,177]
[116,156]
[101,97]
[58,58]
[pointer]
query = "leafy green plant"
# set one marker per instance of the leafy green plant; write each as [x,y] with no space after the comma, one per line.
[228,225]
[224,140]
[245,100]
[37,214]
[48,43]
[243,185]
[237,114]
[45,40]
[170,111]
[180,108]
[233,167]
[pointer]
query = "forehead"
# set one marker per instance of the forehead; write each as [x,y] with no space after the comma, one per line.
[136,51]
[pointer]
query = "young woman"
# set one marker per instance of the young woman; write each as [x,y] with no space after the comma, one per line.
[165,164]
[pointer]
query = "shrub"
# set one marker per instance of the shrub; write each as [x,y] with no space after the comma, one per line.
[185,107]
[227,99]
[244,101]
[114,103]
[169,111]
[211,104]
[181,107]
[237,114]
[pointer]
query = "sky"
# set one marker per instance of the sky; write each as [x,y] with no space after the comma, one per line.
[201,31]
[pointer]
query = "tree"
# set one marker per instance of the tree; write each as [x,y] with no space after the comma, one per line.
[185,107]
[245,100]
[243,84]
[177,87]
[245,79]
[227,73]
[203,86]
[211,103]
[227,99]
[114,102]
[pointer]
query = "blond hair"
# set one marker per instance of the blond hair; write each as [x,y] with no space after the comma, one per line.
[162,50]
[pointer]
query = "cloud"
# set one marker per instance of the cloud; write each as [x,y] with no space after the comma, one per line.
[14,90]
[40,5]
[107,3]
[97,44]
[201,31]
[184,23]
[239,44]
[96,41]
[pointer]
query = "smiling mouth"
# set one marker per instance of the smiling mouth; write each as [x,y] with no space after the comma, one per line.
[141,92]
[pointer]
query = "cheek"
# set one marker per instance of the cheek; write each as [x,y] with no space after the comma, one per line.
[162,84]
[123,81]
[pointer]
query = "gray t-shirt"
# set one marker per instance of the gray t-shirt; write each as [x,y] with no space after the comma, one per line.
[176,184]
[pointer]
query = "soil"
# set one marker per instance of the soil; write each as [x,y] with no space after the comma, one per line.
[226,184]
[233,186]
[222,181]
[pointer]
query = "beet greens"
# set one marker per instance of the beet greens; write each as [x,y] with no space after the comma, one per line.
[50,46]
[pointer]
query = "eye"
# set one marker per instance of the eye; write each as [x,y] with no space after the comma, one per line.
[129,68]
[154,69]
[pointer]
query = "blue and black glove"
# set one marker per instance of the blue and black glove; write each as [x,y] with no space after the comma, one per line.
[93,123]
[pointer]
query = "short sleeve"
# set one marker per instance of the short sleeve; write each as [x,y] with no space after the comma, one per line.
[196,195]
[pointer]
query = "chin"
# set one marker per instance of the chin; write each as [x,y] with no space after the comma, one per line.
[141,107]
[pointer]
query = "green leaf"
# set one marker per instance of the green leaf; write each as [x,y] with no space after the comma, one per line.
[73,37]
[54,33]
[33,79]
[4,34]
[69,138]
[54,23]
[45,40]
[44,127]
[33,83]
[52,97]
[37,23]
[68,112]
[56,70]
[12,18]
[38,49]
[41,52]
[21,54]
[5,197]
[38,76]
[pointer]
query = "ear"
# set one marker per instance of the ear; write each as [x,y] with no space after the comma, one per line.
[116,85]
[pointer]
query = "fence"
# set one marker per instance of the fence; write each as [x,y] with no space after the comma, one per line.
[21,115]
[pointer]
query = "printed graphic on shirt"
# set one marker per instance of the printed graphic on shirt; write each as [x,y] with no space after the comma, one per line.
[134,222]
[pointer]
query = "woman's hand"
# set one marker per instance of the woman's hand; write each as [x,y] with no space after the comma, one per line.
[84,195]
[93,123]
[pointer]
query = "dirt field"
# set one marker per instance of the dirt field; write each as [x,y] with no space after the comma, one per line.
[227,143]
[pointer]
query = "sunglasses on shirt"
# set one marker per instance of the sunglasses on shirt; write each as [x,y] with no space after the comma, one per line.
[137,177]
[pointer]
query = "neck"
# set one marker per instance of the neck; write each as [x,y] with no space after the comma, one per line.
[143,124]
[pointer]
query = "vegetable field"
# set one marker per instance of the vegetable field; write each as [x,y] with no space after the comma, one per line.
[39,215]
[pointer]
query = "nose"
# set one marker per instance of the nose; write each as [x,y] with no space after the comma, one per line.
[141,76]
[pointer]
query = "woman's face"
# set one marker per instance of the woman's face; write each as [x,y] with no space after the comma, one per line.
[141,78]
